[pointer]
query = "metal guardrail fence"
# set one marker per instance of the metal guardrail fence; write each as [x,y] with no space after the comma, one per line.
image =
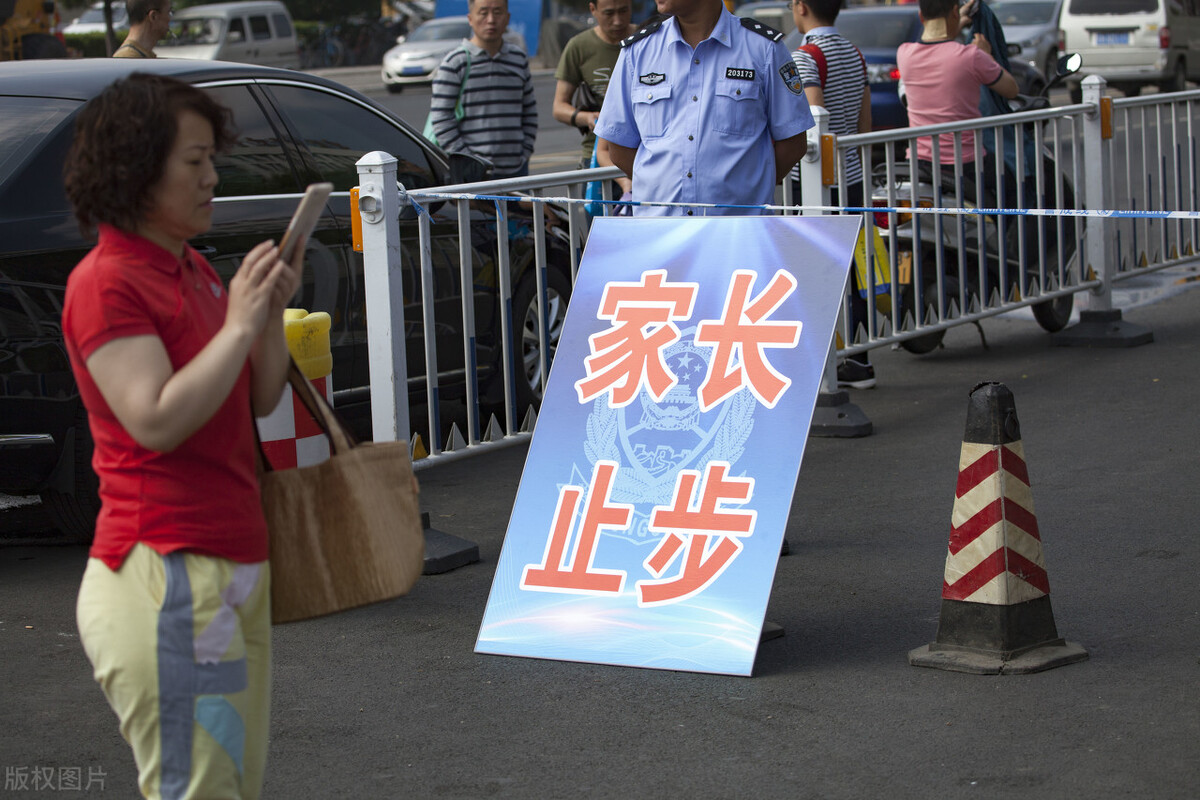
[961,243]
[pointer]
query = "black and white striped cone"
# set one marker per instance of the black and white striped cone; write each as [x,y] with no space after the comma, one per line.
[996,615]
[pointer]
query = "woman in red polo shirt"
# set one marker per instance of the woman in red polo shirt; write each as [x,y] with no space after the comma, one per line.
[173,610]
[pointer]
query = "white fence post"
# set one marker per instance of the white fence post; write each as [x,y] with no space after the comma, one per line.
[813,190]
[379,204]
[835,416]
[1101,324]
[1097,155]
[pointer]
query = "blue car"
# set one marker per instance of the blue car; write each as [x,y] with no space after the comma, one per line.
[878,31]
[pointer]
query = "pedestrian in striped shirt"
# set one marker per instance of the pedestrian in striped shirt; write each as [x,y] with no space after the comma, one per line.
[835,78]
[491,79]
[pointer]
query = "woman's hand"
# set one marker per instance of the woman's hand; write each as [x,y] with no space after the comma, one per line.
[255,289]
[289,283]
[966,12]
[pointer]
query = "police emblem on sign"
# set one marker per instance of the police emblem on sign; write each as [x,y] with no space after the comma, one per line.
[791,78]
[652,441]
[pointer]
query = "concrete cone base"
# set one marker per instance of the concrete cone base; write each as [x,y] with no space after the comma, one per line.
[979,662]
[986,639]
[835,417]
[445,551]
[1103,329]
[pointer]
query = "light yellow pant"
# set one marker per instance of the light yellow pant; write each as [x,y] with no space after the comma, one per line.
[181,646]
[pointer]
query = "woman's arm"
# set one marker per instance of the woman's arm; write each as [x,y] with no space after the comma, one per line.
[161,407]
[269,356]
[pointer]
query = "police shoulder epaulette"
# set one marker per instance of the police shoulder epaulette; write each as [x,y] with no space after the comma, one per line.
[762,30]
[642,33]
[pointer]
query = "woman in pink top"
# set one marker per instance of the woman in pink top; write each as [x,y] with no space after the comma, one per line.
[942,77]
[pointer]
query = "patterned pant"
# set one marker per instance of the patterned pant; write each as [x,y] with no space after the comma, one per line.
[181,646]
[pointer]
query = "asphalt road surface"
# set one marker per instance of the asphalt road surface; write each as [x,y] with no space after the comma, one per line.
[391,701]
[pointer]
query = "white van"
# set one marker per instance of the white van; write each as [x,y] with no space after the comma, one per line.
[250,33]
[1133,43]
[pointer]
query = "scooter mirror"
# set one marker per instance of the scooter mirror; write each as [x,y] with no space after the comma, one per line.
[1069,64]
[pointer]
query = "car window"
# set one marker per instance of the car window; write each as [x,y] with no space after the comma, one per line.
[283,26]
[882,31]
[436,31]
[259,28]
[237,30]
[206,30]
[1112,6]
[24,125]
[30,124]
[257,163]
[1024,13]
[339,132]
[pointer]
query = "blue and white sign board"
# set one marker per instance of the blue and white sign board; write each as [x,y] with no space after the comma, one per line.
[652,507]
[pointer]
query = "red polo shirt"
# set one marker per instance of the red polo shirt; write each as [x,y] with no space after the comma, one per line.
[204,495]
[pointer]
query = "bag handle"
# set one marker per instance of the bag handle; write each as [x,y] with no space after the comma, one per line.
[459,111]
[340,439]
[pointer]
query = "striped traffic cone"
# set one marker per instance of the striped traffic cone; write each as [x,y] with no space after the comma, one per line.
[996,615]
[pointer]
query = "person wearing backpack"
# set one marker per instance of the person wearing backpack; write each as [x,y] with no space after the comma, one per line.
[835,78]
[482,99]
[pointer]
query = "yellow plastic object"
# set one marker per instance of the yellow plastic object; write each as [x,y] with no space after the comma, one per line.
[1106,118]
[308,341]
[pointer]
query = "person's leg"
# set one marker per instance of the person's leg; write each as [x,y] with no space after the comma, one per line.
[117,614]
[855,371]
[181,647]
[230,661]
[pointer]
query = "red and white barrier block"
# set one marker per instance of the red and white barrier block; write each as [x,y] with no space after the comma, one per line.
[996,615]
[290,436]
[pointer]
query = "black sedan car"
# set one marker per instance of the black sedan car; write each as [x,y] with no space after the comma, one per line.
[293,129]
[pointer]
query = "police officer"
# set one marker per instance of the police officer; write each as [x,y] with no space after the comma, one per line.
[704,107]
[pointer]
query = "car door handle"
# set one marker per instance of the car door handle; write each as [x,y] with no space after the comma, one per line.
[207,251]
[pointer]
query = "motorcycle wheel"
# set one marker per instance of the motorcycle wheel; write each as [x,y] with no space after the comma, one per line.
[920,345]
[1054,315]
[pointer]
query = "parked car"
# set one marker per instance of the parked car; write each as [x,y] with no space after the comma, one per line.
[247,32]
[418,54]
[1031,25]
[878,31]
[1132,43]
[92,20]
[293,129]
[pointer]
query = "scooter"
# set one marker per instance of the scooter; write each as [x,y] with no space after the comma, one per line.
[980,256]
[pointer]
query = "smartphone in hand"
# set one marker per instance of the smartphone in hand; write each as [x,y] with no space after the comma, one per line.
[308,213]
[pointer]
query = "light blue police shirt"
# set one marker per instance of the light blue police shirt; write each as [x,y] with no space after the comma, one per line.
[704,121]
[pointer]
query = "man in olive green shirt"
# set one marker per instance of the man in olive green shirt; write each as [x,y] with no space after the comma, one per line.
[589,58]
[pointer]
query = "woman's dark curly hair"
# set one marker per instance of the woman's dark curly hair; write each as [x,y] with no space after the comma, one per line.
[122,139]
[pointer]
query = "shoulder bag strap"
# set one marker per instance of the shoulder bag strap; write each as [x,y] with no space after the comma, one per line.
[458,106]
